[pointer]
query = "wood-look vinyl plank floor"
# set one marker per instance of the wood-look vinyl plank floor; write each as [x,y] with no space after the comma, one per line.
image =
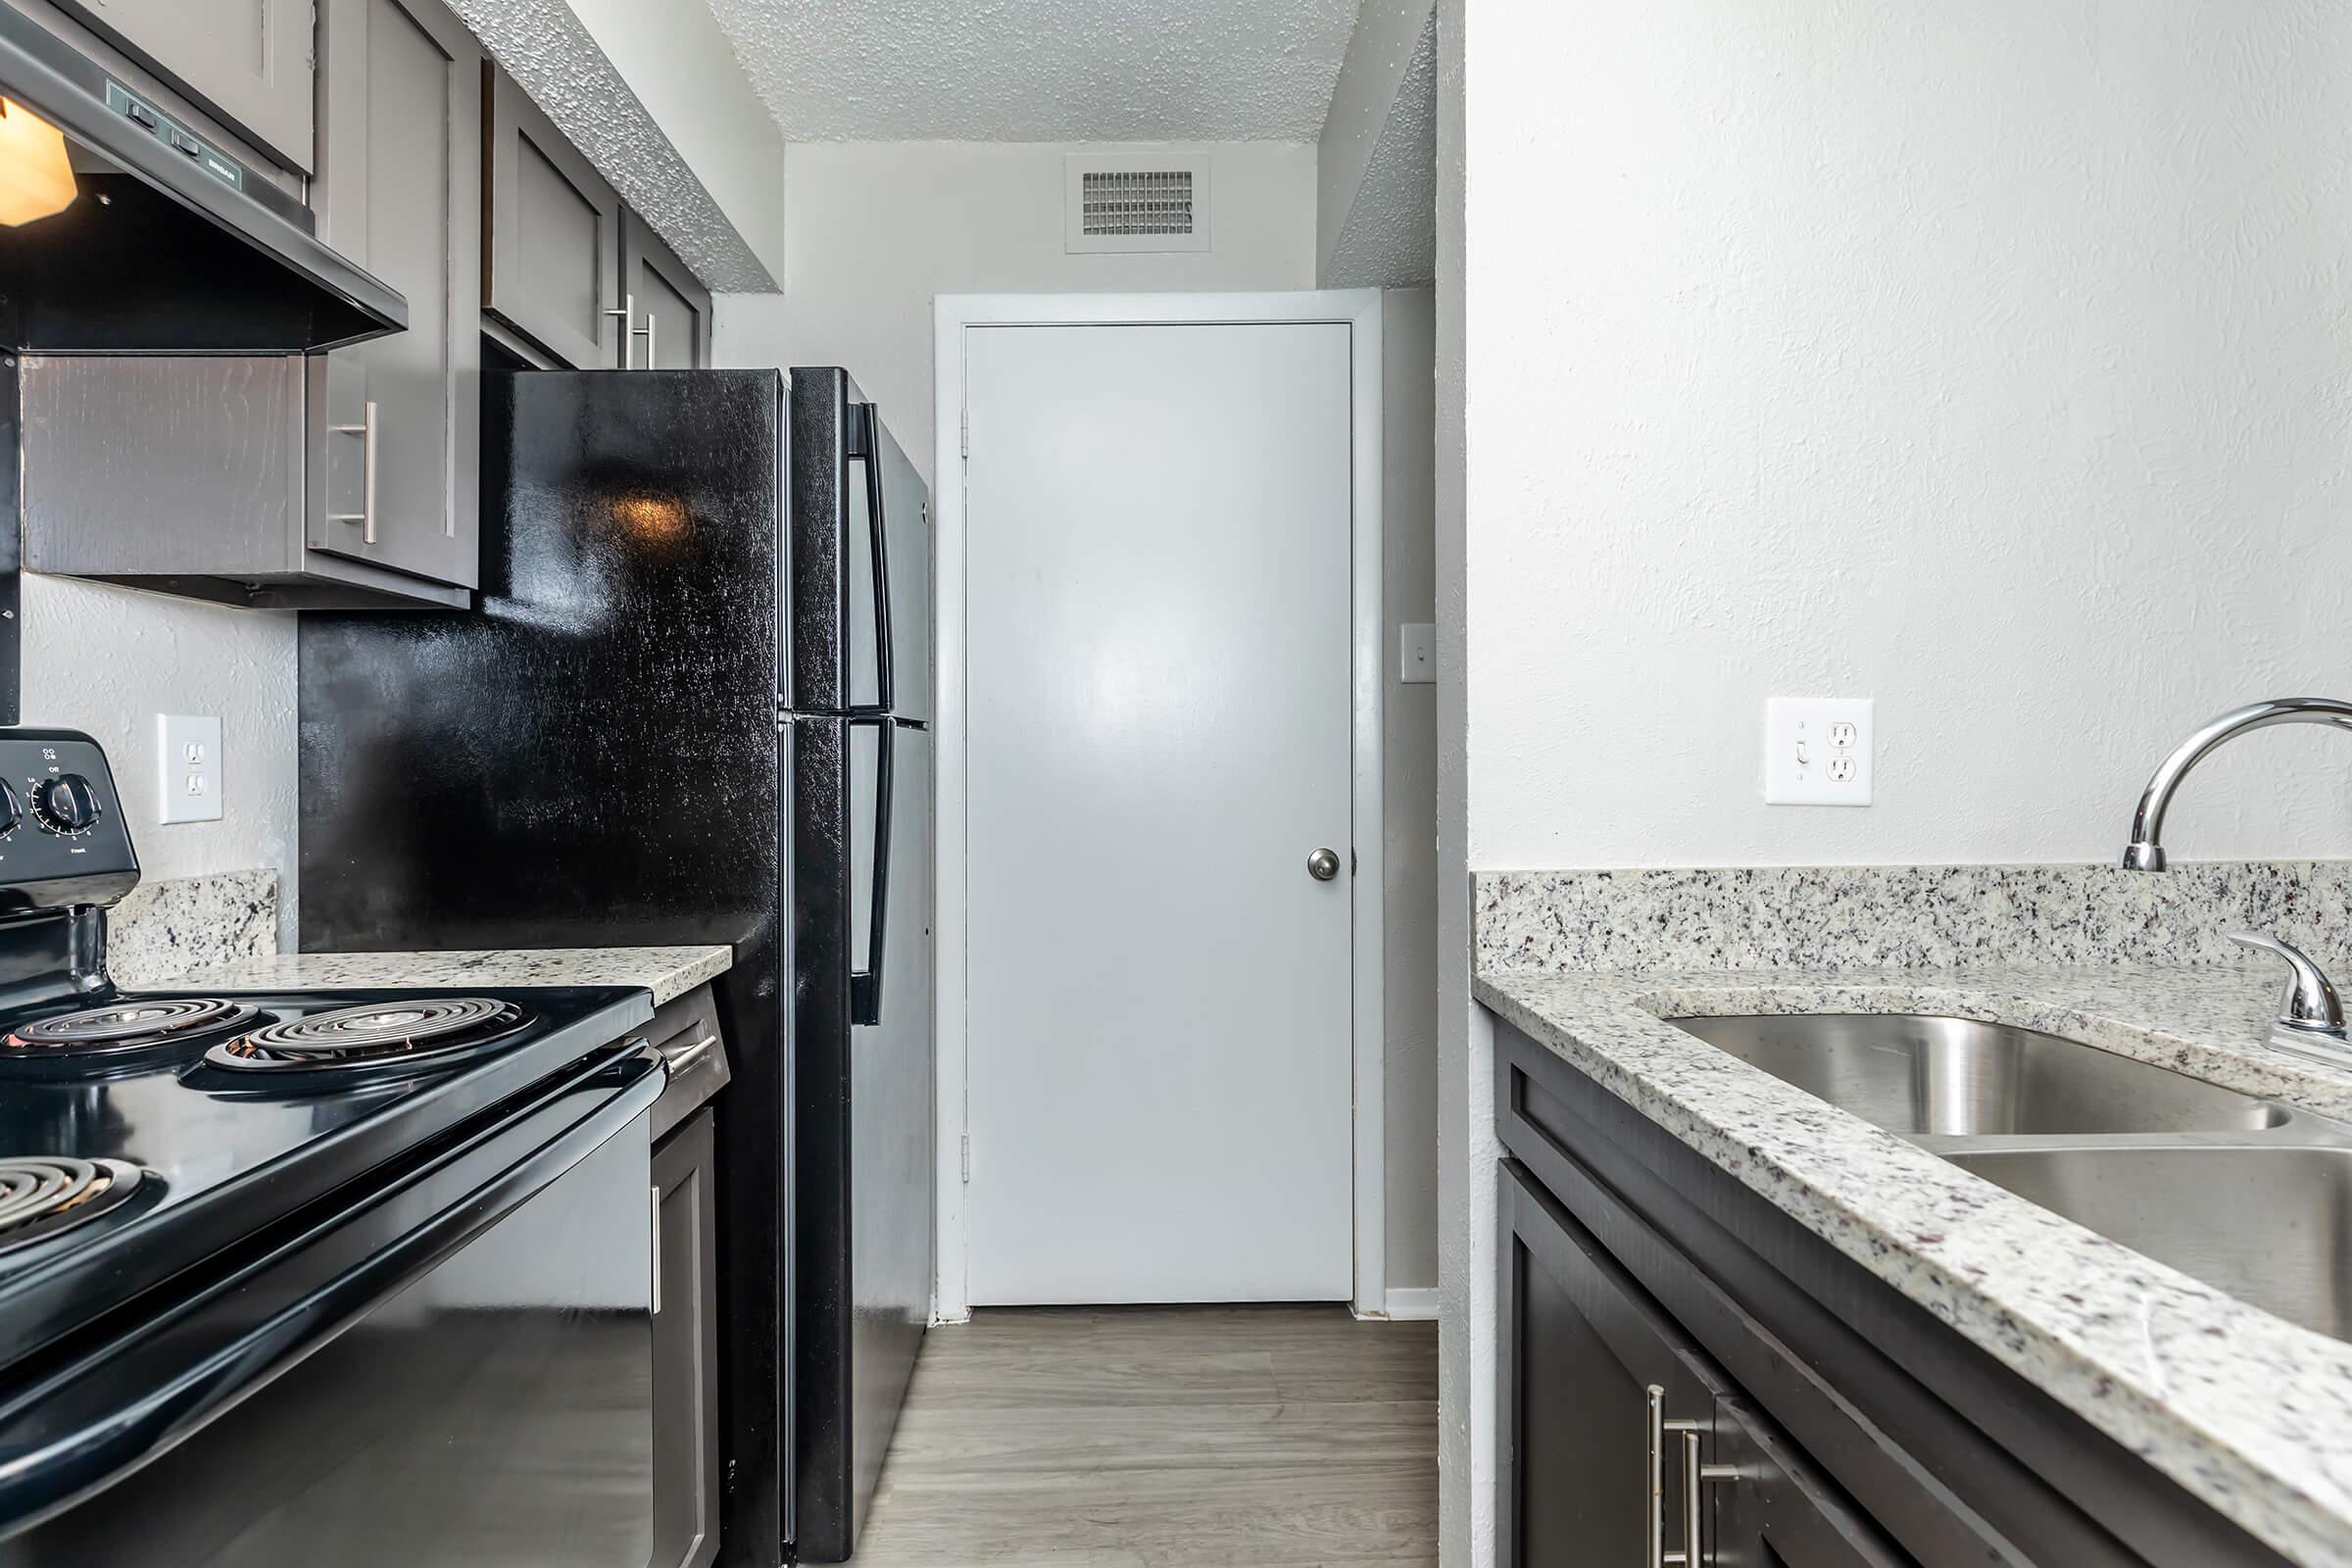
[1164,1438]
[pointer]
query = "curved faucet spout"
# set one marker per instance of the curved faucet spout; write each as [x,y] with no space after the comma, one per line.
[2145,852]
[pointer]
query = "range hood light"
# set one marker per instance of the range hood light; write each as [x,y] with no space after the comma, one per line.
[36,179]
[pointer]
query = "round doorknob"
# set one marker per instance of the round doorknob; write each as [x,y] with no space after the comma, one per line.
[1323,864]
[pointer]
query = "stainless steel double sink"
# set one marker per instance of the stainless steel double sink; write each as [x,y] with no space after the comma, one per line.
[2252,1197]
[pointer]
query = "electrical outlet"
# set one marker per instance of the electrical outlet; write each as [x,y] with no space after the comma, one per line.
[189,769]
[1417,652]
[1817,750]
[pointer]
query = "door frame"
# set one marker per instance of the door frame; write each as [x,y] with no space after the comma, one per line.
[953,316]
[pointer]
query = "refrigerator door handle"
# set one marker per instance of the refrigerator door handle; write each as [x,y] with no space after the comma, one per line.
[864,446]
[865,984]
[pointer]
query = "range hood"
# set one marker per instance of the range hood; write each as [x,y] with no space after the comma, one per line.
[171,245]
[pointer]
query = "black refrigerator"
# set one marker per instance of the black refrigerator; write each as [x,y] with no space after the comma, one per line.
[693,705]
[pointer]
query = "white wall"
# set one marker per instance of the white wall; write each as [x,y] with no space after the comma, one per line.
[1986,361]
[107,661]
[873,232]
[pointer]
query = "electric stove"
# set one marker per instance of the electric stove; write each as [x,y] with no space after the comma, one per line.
[192,1185]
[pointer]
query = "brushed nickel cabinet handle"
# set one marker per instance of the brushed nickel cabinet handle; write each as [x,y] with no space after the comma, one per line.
[1696,1476]
[657,1192]
[629,331]
[652,357]
[366,431]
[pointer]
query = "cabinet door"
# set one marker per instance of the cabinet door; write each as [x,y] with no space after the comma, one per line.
[246,61]
[551,260]
[1592,1472]
[670,309]
[400,192]
[1772,1510]
[685,1341]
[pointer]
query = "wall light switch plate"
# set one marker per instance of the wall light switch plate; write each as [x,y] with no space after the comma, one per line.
[1817,750]
[187,781]
[1417,652]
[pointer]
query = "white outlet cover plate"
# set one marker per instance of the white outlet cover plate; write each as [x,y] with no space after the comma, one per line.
[188,781]
[1801,764]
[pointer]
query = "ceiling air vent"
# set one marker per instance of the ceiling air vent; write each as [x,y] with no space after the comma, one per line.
[1144,202]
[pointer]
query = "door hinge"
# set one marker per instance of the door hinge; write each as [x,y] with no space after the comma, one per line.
[967,1159]
[967,435]
[783,714]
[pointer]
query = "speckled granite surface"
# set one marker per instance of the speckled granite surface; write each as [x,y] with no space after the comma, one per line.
[2246,1411]
[665,971]
[190,922]
[1831,918]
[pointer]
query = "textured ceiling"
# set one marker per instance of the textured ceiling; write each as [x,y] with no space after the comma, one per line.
[1390,239]
[1043,69]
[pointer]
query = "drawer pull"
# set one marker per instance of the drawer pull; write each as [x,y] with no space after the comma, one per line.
[687,1056]
[657,1192]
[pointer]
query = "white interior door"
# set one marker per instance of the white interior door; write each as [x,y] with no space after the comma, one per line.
[1158,633]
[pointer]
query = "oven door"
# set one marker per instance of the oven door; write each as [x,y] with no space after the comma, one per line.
[456,1369]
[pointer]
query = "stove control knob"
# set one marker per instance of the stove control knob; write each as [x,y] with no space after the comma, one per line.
[66,804]
[12,809]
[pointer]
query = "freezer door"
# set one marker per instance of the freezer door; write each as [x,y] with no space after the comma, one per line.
[860,636]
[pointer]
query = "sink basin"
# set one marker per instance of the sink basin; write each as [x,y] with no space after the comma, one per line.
[2271,1227]
[1956,1076]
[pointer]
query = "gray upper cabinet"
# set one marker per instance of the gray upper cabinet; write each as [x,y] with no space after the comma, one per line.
[550,253]
[669,310]
[246,61]
[394,470]
[346,479]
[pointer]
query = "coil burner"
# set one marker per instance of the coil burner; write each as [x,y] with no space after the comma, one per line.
[376,1038]
[40,1196]
[125,1027]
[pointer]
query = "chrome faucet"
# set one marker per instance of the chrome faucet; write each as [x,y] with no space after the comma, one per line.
[2145,852]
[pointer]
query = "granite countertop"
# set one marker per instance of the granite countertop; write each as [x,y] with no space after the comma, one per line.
[2246,1411]
[664,971]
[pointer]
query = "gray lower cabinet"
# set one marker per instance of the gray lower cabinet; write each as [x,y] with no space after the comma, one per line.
[550,247]
[669,310]
[1839,1424]
[1615,1425]
[686,1476]
[393,464]
[246,61]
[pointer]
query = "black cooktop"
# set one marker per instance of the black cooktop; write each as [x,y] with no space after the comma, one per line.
[142,1133]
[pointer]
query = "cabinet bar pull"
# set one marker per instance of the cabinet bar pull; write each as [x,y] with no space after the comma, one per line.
[653,361]
[1655,1514]
[1695,1477]
[629,331]
[366,431]
[657,1192]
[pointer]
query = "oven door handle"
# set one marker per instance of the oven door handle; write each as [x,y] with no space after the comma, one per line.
[120,1404]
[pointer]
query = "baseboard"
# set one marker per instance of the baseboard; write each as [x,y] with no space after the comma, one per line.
[1413,1304]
